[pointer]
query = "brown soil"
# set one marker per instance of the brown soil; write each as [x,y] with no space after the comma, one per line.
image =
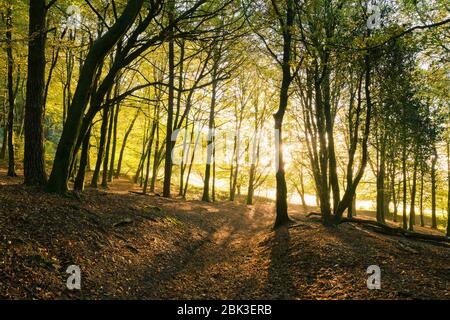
[132,246]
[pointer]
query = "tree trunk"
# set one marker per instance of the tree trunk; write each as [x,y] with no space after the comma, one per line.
[282,217]
[107,149]
[433,189]
[412,210]
[213,188]
[352,209]
[197,139]
[170,105]
[11,97]
[5,138]
[448,181]
[80,178]
[210,145]
[381,183]
[124,143]
[114,145]
[235,170]
[422,222]
[155,157]
[101,148]
[394,192]
[251,181]
[64,152]
[140,169]
[150,145]
[185,155]
[405,221]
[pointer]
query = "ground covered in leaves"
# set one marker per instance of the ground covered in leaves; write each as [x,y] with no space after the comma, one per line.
[132,246]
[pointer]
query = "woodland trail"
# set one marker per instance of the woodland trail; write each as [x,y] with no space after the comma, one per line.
[223,265]
[243,258]
[132,246]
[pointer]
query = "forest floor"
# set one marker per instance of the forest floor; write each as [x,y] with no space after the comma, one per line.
[132,246]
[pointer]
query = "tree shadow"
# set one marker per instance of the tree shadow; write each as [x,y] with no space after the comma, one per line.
[280,284]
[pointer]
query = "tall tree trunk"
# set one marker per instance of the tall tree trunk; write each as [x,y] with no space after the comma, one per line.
[150,145]
[380,181]
[80,178]
[191,162]
[448,181]
[433,189]
[114,145]
[351,211]
[101,148]
[11,96]
[412,209]
[155,157]
[5,137]
[282,217]
[251,182]
[124,143]
[422,222]
[393,191]
[213,188]
[405,221]
[107,149]
[184,158]
[170,104]
[334,181]
[140,170]
[235,171]
[210,144]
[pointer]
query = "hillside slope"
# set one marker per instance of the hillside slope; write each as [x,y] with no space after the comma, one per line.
[132,246]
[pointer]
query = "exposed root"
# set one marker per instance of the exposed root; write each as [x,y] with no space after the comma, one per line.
[395,231]
[312,213]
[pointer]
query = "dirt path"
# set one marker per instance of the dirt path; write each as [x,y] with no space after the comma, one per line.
[223,265]
[132,246]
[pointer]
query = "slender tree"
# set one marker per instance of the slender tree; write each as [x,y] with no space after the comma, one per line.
[11,94]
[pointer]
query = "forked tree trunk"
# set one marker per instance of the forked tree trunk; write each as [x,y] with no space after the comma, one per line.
[64,152]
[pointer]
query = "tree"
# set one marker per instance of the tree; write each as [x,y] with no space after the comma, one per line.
[448,181]
[100,48]
[170,104]
[11,93]
[34,157]
[283,16]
